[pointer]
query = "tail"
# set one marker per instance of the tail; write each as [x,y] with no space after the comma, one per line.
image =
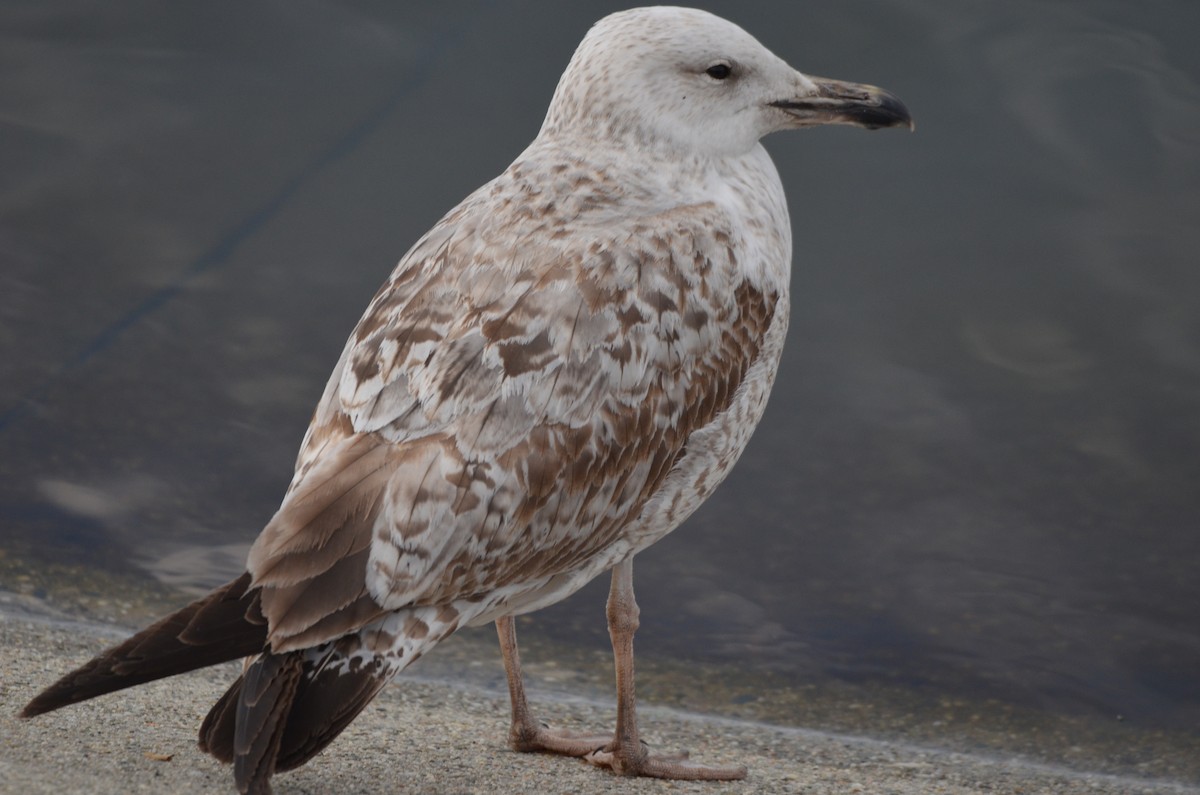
[288,707]
[279,714]
[225,625]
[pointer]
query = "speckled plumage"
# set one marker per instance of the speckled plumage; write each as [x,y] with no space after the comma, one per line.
[554,377]
[538,405]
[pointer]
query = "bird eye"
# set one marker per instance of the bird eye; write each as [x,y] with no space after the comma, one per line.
[719,71]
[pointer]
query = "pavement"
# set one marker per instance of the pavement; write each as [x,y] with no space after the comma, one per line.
[441,737]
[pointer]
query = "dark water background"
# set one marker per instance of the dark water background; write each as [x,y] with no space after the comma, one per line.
[979,471]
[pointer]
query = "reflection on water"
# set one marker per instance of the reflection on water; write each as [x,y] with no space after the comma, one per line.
[977,473]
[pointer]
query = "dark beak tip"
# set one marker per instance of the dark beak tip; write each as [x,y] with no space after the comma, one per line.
[891,112]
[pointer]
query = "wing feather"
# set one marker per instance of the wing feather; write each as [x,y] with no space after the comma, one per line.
[503,411]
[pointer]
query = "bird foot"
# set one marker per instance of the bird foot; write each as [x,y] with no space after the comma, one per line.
[543,739]
[669,766]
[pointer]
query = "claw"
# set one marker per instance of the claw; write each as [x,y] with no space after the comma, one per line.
[551,741]
[670,766]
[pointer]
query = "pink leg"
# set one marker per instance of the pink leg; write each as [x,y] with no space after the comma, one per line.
[527,734]
[626,755]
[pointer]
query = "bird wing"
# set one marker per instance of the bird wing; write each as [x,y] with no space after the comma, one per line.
[503,410]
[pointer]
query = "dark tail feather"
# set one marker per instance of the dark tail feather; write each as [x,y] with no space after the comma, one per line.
[267,690]
[326,701]
[222,626]
[286,709]
[219,726]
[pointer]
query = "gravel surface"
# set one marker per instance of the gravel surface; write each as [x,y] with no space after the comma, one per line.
[425,736]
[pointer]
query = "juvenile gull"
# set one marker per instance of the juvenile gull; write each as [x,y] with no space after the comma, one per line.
[552,379]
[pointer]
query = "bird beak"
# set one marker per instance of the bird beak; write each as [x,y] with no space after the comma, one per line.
[839,102]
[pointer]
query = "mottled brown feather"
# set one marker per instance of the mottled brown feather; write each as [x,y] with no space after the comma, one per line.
[334,505]
[358,613]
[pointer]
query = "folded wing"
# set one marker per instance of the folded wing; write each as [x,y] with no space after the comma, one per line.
[502,413]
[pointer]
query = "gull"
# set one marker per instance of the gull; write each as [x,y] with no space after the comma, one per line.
[553,378]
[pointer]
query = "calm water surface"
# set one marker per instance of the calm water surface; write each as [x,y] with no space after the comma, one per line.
[978,472]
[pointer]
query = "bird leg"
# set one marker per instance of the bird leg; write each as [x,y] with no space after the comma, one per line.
[626,754]
[527,734]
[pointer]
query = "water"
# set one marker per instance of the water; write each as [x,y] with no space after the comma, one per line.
[977,475]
